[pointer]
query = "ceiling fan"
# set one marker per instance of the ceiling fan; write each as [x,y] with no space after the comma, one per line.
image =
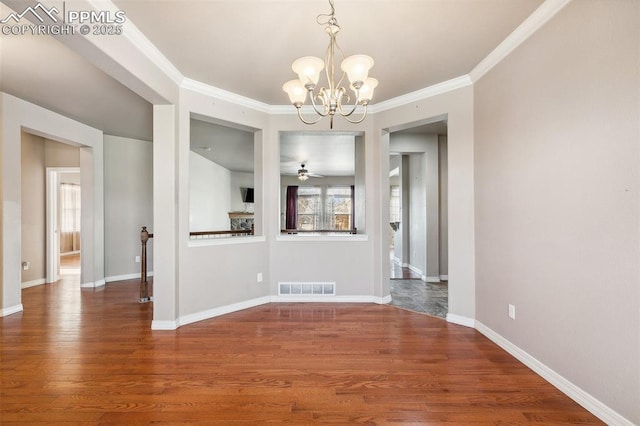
[303,174]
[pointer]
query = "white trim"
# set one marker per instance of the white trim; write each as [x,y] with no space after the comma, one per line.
[224,95]
[419,95]
[589,402]
[529,26]
[207,242]
[460,320]
[144,45]
[444,277]
[414,269]
[222,310]
[433,279]
[164,325]
[332,299]
[33,283]
[334,238]
[385,300]
[228,309]
[94,284]
[11,310]
[125,277]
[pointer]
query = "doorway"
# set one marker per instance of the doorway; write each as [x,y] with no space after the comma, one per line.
[63,222]
[418,218]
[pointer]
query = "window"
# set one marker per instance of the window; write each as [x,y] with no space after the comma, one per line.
[394,204]
[327,208]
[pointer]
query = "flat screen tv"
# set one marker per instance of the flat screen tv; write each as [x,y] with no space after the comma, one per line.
[247,197]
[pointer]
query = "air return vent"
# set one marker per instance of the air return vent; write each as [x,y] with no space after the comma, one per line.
[306,289]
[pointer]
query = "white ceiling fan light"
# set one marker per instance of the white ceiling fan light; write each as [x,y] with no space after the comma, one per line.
[303,174]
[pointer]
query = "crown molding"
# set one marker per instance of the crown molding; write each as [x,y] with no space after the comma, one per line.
[529,26]
[144,45]
[418,95]
[234,98]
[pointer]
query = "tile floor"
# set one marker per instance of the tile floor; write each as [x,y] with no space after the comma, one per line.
[408,291]
[419,296]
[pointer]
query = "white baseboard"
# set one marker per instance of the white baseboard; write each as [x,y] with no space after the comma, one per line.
[460,320]
[11,310]
[385,300]
[592,404]
[444,277]
[95,284]
[222,310]
[330,299]
[227,309]
[125,277]
[164,325]
[433,279]
[33,283]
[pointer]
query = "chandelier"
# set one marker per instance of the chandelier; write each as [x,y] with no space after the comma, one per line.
[326,101]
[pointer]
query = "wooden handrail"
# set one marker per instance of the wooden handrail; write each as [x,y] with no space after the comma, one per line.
[144,285]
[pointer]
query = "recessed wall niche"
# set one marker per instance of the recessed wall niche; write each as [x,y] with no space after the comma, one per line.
[221,179]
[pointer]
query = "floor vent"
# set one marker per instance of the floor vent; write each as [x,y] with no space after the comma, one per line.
[306,289]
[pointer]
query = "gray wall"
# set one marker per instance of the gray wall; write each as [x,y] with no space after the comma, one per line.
[38,153]
[418,212]
[443,169]
[128,192]
[424,187]
[33,207]
[557,128]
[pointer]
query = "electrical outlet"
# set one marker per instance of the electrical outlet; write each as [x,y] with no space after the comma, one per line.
[259,277]
[512,311]
[26,265]
[137,259]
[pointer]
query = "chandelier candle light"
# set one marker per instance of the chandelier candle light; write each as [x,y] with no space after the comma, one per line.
[327,100]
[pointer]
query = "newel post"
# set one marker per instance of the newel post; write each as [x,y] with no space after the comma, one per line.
[144,285]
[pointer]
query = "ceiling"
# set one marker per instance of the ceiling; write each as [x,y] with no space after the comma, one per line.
[246,47]
[322,153]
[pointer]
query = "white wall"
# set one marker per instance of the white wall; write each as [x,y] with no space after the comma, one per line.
[238,183]
[209,195]
[128,192]
[557,127]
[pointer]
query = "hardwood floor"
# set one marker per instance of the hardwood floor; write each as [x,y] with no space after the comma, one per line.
[89,357]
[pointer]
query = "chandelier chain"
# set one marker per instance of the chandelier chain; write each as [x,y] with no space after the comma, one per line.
[328,18]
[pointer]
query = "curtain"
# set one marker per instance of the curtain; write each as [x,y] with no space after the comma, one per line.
[353,207]
[69,217]
[291,216]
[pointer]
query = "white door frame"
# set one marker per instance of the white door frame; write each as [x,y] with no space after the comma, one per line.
[52,221]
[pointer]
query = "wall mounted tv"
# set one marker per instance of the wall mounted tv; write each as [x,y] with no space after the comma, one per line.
[247,195]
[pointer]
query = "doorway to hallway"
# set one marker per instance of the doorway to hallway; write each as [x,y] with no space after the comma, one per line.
[418,218]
